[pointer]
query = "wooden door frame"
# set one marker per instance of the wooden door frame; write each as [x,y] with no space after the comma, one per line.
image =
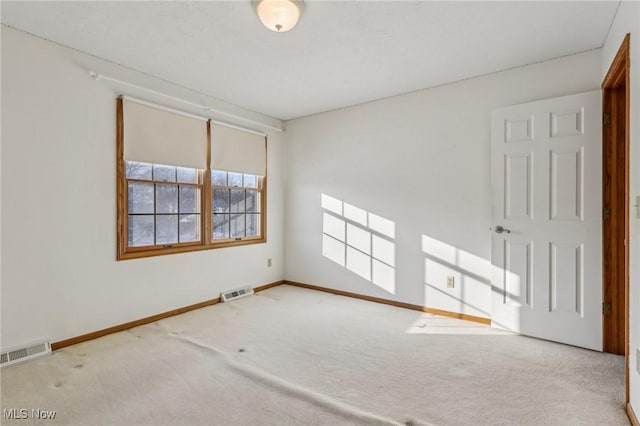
[616,98]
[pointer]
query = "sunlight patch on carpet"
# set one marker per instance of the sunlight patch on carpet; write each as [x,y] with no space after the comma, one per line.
[434,324]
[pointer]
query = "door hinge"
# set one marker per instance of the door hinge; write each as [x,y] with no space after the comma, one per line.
[606,118]
[606,213]
[606,308]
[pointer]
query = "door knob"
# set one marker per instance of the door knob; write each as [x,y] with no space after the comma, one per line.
[499,230]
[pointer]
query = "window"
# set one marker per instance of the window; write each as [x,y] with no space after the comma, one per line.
[236,205]
[163,205]
[170,200]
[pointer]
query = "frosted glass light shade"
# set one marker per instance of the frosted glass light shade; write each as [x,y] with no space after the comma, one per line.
[279,15]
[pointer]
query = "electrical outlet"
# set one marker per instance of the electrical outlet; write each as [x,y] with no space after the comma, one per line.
[269,263]
[450,282]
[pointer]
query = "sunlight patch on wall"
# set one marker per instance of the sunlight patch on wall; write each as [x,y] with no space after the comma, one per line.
[360,241]
[471,277]
[477,284]
[460,260]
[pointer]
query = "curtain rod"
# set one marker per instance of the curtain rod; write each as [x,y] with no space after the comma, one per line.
[163,108]
[97,76]
[187,114]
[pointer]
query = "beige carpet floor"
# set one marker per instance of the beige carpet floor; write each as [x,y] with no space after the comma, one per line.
[291,356]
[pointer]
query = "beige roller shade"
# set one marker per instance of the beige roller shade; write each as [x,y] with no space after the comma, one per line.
[154,135]
[236,150]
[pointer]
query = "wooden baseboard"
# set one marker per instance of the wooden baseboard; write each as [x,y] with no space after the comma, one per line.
[267,286]
[632,416]
[121,327]
[467,317]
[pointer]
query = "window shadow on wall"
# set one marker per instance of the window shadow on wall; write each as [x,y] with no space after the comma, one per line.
[360,241]
[471,275]
[472,280]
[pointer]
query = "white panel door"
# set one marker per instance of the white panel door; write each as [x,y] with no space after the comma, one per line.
[547,228]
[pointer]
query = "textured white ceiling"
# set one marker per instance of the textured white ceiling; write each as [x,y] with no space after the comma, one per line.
[339,54]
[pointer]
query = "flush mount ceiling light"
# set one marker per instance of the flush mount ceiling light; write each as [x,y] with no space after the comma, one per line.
[279,15]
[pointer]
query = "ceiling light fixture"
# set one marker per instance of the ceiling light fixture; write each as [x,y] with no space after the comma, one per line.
[279,15]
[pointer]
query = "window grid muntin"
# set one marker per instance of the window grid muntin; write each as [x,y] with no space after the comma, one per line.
[257,190]
[155,213]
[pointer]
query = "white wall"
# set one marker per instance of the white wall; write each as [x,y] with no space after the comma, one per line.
[628,21]
[60,278]
[421,160]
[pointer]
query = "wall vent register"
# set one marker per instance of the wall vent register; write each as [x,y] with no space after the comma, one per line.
[24,353]
[235,294]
